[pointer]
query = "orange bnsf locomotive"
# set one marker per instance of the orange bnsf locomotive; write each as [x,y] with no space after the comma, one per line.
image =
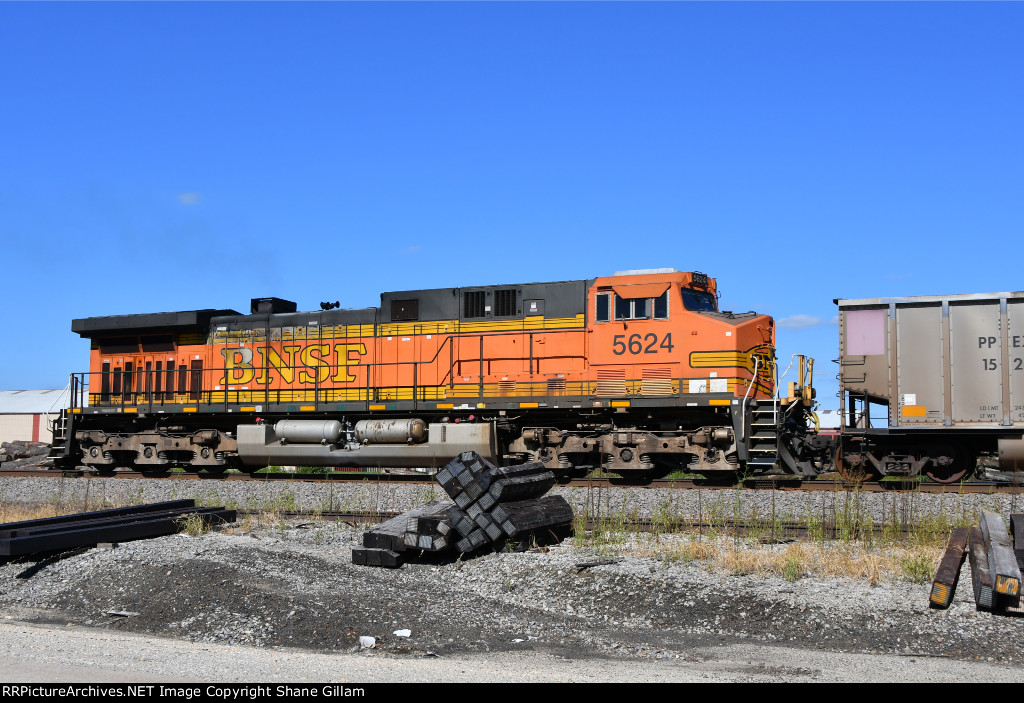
[637,373]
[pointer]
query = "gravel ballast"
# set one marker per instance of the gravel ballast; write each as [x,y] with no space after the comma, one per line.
[694,504]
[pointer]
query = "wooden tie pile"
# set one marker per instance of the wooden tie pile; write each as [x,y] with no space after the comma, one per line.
[22,449]
[996,558]
[489,505]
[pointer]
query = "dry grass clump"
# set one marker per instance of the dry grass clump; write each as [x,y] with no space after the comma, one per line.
[18,512]
[727,533]
[66,499]
[805,559]
[793,561]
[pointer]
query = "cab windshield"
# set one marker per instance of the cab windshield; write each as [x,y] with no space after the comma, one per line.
[699,300]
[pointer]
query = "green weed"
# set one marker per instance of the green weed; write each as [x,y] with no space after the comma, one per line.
[193,525]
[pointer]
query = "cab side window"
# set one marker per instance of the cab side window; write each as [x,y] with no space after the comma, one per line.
[603,307]
[661,307]
[625,310]
[630,308]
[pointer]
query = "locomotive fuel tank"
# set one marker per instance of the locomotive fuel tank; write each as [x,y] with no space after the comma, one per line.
[260,445]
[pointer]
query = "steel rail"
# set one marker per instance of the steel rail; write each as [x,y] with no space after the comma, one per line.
[785,483]
[776,532]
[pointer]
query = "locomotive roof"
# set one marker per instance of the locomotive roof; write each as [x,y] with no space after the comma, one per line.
[560,298]
[310,317]
[134,324]
[493,285]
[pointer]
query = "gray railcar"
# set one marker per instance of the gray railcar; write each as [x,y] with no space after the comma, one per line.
[927,383]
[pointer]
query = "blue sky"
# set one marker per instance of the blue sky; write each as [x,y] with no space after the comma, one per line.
[191,155]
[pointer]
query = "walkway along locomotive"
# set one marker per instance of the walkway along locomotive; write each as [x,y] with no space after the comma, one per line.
[639,373]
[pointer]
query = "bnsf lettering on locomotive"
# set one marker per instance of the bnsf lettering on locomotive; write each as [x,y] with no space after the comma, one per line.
[272,358]
[315,363]
[238,366]
[312,357]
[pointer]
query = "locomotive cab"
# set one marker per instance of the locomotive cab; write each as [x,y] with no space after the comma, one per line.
[685,373]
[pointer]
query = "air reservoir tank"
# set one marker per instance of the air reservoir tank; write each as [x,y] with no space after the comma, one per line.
[408,431]
[308,431]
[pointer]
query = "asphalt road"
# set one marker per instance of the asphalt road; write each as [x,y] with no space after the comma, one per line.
[39,653]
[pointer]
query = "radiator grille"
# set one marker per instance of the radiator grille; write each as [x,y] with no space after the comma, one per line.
[504,302]
[656,382]
[556,386]
[473,304]
[611,382]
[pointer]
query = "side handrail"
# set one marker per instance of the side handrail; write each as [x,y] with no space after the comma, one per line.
[67,389]
[743,408]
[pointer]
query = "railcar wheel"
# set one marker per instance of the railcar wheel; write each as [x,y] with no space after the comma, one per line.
[961,469]
[853,473]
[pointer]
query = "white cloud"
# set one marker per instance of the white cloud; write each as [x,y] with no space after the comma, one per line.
[799,322]
[411,250]
[189,198]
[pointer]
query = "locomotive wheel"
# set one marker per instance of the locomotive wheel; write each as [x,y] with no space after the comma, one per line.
[961,469]
[632,478]
[149,471]
[851,474]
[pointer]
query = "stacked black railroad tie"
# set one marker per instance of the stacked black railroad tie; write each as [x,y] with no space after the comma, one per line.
[387,543]
[491,505]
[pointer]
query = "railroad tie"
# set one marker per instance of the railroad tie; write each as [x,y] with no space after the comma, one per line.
[981,575]
[1005,572]
[948,574]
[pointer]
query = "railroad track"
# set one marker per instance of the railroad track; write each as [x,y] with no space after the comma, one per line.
[779,531]
[761,483]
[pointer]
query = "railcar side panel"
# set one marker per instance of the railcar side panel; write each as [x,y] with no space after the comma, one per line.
[928,383]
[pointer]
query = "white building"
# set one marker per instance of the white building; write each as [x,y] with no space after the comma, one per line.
[24,414]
